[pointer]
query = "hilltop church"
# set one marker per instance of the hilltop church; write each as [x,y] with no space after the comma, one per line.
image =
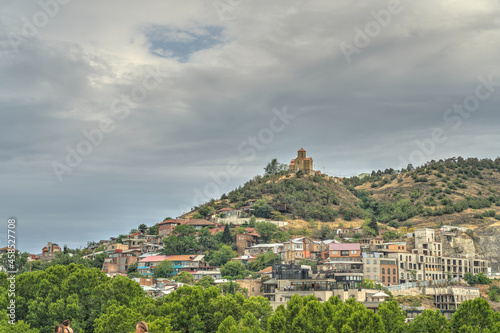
[301,162]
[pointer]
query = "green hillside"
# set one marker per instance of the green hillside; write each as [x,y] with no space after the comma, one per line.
[458,190]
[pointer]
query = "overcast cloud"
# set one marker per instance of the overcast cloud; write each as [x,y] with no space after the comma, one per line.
[180,86]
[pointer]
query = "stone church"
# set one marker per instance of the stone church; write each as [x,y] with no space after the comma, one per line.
[301,162]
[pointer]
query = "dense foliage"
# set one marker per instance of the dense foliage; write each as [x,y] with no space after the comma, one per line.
[96,303]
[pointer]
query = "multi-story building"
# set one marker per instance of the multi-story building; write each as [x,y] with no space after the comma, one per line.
[426,260]
[290,280]
[450,298]
[298,249]
[181,263]
[247,240]
[345,251]
[118,262]
[115,246]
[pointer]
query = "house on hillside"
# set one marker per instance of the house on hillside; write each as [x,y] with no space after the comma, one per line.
[118,262]
[345,251]
[247,240]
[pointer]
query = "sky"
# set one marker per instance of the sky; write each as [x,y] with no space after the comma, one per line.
[117,113]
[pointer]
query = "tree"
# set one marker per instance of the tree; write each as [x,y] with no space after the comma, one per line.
[133,231]
[206,240]
[264,260]
[181,241]
[262,209]
[153,230]
[392,316]
[163,270]
[372,223]
[205,282]
[273,167]
[266,230]
[429,321]
[233,270]
[206,210]
[226,236]
[221,257]
[476,314]
[184,277]
[142,228]
[132,268]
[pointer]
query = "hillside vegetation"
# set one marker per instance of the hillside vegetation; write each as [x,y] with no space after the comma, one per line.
[456,191]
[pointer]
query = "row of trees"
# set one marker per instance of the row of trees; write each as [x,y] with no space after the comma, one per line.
[96,303]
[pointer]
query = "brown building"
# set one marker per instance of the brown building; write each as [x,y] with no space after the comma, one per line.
[246,240]
[388,271]
[252,285]
[166,227]
[301,162]
[118,262]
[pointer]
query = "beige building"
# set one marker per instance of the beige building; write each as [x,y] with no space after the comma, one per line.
[450,298]
[252,285]
[301,162]
[426,262]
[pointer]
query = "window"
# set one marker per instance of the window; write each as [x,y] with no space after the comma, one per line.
[344,253]
[368,261]
[353,252]
[388,279]
[335,252]
[374,261]
[383,270]
[393,271]
[383,278]
[368,269]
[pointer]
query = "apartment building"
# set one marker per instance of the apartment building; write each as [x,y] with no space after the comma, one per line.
[426,262]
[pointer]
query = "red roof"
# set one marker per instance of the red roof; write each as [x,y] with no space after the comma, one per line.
[345,247]
[153,259]
[266,270]
[301,149]
[227,209]
[173,221]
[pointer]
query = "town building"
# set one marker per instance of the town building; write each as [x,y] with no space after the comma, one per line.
[246,240]
[290,280]
[426,260]
[188,262]
[298,249]
[50,251]
[345,251]
[252,285]
[255,250]
[118,262]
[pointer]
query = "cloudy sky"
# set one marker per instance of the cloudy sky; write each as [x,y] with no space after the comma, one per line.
[116,113]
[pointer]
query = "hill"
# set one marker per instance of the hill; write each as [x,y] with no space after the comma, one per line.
[455,191]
